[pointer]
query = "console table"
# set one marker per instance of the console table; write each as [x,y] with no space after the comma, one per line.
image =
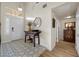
[34,34]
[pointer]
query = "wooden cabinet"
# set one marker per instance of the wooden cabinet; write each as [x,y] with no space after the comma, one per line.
[69,35]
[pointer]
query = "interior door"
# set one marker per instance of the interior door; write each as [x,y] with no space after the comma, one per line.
[16,27]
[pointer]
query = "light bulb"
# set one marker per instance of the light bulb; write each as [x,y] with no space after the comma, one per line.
[68,16]
[19,9]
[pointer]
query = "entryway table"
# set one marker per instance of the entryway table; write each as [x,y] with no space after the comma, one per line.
[33,34]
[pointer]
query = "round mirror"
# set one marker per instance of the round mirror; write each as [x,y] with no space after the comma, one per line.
[37,22]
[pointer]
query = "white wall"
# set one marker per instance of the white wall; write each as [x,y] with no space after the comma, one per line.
[45,13]
[45,36]
[54,33]
[77,31]
[0,21]
[0,12]
[60,30]
[53,36]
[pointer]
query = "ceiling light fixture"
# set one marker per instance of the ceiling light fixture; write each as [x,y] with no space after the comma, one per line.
[69,17]
[30,18]
[19,9]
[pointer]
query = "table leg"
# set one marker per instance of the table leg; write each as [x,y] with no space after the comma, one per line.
[38,39]
[34,41]
[25,38]
[30,38]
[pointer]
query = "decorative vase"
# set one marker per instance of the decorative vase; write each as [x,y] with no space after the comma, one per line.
[30,28]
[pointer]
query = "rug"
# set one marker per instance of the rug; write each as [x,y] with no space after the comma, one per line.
[19,48]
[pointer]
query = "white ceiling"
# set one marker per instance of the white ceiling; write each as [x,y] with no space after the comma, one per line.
[12,5]
[62,11]
[67,9]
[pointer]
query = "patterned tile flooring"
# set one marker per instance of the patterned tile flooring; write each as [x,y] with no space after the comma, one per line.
[20,49]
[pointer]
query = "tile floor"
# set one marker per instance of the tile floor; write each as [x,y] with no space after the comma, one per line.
[20,49]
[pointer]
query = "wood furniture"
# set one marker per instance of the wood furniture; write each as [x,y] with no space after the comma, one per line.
[69,35]
[69,32]
[33,34]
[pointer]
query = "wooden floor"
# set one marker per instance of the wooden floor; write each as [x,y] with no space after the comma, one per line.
[62,49]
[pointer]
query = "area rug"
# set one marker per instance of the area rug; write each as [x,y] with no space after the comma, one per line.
[19,48]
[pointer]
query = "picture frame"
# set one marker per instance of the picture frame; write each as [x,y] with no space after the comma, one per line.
[53,23]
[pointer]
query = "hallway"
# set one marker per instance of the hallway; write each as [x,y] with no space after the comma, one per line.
[62,49]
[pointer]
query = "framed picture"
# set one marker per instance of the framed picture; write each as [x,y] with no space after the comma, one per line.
[53,23]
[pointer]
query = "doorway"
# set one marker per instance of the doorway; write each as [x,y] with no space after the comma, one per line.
[0,33]
[65,34]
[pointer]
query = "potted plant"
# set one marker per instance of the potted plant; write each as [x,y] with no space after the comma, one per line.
[29,25]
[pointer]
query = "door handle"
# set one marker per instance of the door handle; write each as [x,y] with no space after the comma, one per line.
[12,28]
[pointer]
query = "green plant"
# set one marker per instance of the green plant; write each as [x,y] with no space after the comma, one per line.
[29,23]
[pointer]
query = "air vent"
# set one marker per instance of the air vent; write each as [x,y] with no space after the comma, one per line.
[36,2]
[45,5]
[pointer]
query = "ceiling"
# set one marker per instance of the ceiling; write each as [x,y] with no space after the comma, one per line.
[62,11]
[67,9]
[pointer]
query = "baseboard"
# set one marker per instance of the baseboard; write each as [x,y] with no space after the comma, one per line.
[77,51]
[9,41]
[5,41]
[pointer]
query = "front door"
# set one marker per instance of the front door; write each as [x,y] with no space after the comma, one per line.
[16,27]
